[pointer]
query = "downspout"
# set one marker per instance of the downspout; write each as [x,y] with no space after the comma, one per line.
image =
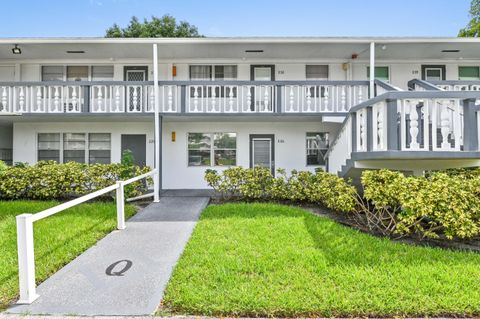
[158,151]
[372,70]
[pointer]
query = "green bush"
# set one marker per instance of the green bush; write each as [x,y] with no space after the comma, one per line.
[439,203]
[49,180]
[259,184]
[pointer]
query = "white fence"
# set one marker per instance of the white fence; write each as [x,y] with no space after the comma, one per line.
[26,256]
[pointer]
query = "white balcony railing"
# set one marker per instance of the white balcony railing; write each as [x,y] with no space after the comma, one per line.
[189,97]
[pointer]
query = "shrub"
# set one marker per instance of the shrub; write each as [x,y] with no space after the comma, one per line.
[49,180]
[259,184]
[429,206]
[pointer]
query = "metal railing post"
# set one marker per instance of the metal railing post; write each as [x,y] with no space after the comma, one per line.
[120,201]
[26,259]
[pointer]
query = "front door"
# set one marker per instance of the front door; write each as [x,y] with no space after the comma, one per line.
[137,144]
[262,151]
[264,73]
[433,72]
[135,93]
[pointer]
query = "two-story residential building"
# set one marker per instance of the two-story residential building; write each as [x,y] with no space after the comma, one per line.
[342,104]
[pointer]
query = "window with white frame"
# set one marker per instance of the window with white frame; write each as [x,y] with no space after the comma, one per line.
[316,147]
[99,148]
[381,73]
[77,72]
[468,73]
[212,149]
[48,147]
[316,72]
[213,72]
[75,147]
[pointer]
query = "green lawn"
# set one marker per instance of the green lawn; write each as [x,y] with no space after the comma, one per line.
[58,239]
[271,260]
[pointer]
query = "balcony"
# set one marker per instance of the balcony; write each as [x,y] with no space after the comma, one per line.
[200,97]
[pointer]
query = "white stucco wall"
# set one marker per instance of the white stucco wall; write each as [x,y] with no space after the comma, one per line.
[290,147]
[25,136]
[400,71]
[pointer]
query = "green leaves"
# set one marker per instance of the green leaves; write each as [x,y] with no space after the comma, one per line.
[440,204]
[164,27]
[49,180]
[259,184]
[473,27]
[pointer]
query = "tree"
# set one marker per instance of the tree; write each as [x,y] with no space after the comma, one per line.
[164,27]
[473,27]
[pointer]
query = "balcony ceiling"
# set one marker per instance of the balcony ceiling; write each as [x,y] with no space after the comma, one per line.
[235,48]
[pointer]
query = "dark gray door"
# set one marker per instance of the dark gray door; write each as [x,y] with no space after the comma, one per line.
[137,144]
[262,151]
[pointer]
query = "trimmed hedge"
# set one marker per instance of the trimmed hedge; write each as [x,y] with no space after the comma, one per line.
[259,184]
[441,204]
[48,180]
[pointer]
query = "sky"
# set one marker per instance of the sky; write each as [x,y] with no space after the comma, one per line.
[69,18]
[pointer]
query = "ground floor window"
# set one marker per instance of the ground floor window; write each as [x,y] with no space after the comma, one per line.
[317,146]
[212,149]
[74,147]
[49,147]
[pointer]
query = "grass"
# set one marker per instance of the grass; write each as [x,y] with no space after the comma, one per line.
[272,260]
[58,239]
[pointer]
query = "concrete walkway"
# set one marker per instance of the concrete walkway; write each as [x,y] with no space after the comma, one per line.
[126,272]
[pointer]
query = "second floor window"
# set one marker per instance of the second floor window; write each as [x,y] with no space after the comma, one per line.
[213,72]
[468,73]
[381,73]
[77,73]
[316,72]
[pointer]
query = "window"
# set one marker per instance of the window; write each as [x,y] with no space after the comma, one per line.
[77,73]
[225,72]
[319,73]
[102,73]
[317,146]
[225,149]
[74,147]
[381,73]
[99,148]
[316,72]
[202,152]
[199,149]
[433,74]
[200,72]
[49,147]
[468,73]
[52,73]
[221,72]
[204,73]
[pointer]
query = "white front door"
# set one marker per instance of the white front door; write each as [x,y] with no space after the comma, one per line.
[262,151]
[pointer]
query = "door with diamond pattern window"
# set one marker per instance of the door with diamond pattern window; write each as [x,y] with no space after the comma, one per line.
[135,92]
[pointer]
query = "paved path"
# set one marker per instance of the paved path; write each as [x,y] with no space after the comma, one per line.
[151,245]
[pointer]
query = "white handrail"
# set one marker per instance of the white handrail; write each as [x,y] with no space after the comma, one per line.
[26,256]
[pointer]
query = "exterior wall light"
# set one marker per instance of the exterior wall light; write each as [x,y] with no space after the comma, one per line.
[174,136]
[16,50]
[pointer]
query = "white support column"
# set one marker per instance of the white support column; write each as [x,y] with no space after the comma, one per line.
[372,70]
[26,259]
[158,151]
[120,201]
